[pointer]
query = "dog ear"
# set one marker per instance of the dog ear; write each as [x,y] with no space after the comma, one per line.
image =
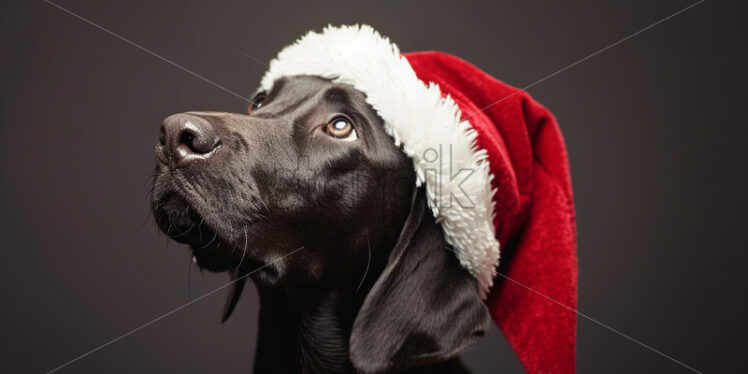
[424,308]
[238,278]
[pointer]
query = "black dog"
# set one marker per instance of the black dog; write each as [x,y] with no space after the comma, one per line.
[354,273]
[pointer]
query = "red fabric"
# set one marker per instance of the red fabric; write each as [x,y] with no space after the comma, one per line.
[534,211]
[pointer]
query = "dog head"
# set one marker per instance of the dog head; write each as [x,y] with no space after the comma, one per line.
[307,191]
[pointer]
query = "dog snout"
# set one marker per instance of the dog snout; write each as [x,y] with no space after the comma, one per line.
[186,138]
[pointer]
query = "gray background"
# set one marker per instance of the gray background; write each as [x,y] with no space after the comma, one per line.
[655,127]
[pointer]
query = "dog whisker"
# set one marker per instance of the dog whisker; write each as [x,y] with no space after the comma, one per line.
[368,262]
[185,231]
[244,252]
[145,221]
[171,226]
[189,285]
[200,232]
[262,216]
[211,240]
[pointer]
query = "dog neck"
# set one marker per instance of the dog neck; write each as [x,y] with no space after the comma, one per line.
[309,331]
[305,333]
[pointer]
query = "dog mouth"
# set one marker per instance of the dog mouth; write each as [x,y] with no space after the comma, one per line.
[179,219]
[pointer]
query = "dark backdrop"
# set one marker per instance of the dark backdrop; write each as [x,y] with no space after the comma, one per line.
[655,127]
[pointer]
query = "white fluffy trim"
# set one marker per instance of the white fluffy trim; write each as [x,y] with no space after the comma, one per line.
[419,119]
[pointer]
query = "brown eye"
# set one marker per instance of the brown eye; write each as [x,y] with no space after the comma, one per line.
[341,128]
[256,102]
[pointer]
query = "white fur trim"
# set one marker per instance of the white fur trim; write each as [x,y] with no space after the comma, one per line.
[420,120]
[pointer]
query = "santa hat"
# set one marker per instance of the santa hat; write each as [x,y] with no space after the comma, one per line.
[495,171]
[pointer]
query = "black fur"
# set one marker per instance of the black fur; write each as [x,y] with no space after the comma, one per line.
[367,284]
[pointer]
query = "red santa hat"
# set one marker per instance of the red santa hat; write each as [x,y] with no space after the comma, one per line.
[495,170]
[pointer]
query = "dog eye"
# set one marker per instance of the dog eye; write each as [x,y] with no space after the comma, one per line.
[341,128]
[256,102]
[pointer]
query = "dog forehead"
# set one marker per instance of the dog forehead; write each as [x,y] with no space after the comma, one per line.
[320,88]
[299,85]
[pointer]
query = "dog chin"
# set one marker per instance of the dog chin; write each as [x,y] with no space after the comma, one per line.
[180,221]
[212,260]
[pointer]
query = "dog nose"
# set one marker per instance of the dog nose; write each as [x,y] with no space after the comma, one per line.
[185,138]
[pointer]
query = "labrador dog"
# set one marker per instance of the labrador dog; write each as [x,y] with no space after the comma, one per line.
[309,197]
